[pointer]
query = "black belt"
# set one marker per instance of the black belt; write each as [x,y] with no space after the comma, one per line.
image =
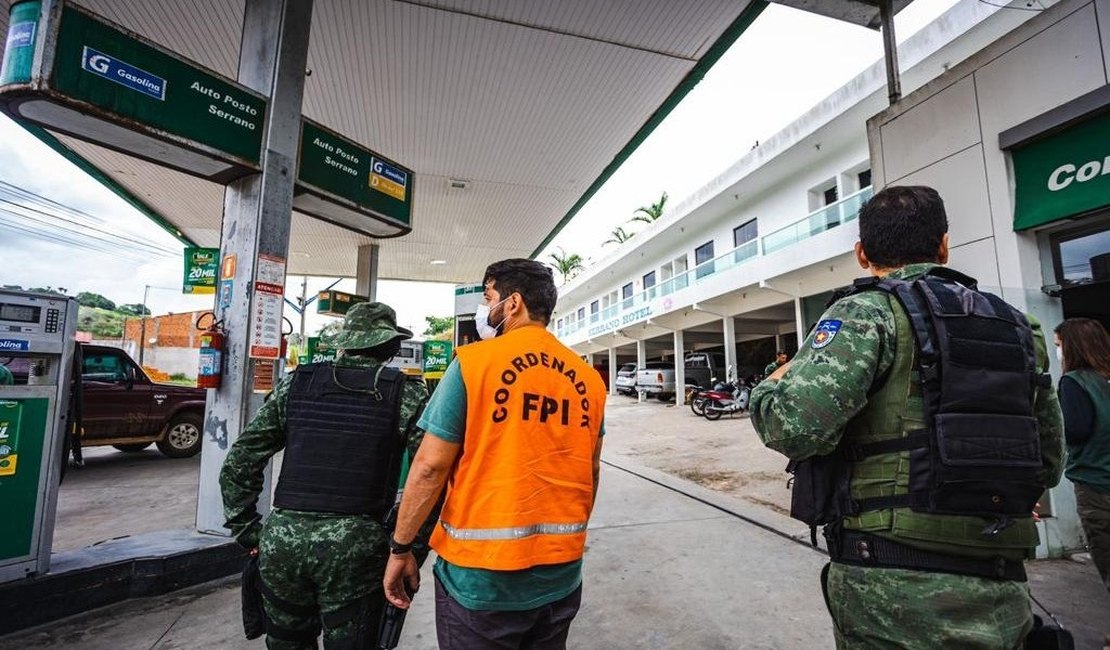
[863,549]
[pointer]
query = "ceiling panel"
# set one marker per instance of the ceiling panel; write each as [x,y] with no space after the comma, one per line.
[527,101]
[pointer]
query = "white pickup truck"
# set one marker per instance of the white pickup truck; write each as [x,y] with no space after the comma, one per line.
[656,378]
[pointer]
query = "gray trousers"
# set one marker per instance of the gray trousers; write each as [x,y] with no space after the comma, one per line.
[1094,512]
[542,628]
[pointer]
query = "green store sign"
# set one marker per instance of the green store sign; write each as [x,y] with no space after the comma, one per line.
[200,270]
[1063,175]
[336,303]
[352,186]
[98,82]
[317,352]
[437,356]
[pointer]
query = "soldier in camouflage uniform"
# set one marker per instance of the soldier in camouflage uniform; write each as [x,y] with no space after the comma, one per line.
[851,379]
[322,566]
[780,360]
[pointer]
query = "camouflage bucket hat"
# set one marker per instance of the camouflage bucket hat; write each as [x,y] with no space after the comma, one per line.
[366,325]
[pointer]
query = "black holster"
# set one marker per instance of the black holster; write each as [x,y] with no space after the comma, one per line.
[1048,636]
[254,612]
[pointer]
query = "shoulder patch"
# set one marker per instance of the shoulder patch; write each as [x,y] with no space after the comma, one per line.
[824,333]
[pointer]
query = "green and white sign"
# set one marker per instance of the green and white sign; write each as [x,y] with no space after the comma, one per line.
[200,270]
[352,186]
[336,303]
[1064,174]
[105,84]
[437,355]
[317,352]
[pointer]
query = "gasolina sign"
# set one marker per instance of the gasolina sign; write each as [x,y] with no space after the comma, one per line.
[343,182]
[98,82]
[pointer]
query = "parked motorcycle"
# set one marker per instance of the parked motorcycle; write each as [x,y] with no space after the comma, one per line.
[700,396]
[734,399]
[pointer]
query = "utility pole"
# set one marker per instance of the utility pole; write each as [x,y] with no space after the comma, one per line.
[303,302]
[142,325]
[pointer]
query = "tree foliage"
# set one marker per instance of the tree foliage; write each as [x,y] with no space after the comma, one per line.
[649,214]
[438,325]
[134,309]
[568,264]
[618,236]
[89,299]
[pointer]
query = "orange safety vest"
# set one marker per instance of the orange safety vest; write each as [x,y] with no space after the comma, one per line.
[521,493]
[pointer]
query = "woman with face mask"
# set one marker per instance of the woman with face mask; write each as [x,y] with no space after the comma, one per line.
[1083,346]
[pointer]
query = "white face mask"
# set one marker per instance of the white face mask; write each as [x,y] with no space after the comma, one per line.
[481,321]
[1059,353]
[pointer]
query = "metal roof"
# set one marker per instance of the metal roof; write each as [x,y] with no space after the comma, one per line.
[531,103]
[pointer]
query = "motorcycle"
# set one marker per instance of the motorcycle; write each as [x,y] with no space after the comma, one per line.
[700,396]
[734,399]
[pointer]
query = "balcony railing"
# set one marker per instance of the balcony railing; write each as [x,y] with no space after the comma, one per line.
[815,223]
[831,216]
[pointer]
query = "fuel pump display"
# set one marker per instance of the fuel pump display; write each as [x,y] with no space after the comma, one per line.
[37,341]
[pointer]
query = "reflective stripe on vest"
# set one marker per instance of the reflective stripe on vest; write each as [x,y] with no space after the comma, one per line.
[522,489]
[518,532]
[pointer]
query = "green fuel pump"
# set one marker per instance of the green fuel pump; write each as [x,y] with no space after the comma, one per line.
[36,345]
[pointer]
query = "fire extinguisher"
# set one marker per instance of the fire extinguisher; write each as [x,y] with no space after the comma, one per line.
[211,365]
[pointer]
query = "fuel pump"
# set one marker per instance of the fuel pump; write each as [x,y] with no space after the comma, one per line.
[37,345]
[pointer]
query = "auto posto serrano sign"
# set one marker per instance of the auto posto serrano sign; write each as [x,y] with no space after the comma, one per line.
[94,80]
[1064,174]
[340,181]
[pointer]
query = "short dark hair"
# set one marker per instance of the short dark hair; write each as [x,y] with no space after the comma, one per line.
[532,280]
[902,224]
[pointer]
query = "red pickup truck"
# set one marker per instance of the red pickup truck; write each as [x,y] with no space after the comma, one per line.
[122,407]
[125,409]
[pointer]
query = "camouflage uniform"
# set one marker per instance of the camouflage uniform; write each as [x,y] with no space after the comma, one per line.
[805,414]
[771,367]
[312,559]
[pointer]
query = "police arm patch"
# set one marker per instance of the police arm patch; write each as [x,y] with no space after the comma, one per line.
[824,333]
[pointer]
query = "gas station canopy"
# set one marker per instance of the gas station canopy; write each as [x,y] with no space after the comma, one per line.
[510,112]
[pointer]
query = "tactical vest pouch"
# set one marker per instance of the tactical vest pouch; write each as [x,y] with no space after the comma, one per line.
[979,454]
[818,484]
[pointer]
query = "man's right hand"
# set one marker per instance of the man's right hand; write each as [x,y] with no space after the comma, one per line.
[399,570]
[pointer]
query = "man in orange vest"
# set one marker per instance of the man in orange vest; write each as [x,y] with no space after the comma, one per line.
[515,435]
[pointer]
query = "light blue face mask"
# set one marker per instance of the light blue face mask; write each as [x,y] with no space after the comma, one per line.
[481,321]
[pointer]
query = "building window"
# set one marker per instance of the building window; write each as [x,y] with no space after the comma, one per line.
[649,284]
[830,195]
[626,293]
[745,233]
[581,313]
[703,256]
[864,178]
[593,311]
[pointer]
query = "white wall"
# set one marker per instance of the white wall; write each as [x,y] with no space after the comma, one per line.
[946,135]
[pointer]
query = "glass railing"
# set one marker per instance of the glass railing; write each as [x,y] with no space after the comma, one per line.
[831,216]
[815,223]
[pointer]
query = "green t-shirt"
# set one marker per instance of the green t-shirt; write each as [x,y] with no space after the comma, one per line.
[6,378]
[445,418]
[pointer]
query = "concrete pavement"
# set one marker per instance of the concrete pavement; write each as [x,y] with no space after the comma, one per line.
[662,571]
[671,563]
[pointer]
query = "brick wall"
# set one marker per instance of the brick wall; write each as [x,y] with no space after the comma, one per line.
[170,331]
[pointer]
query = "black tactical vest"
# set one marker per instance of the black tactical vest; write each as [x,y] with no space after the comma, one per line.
[342,451]
[979,452]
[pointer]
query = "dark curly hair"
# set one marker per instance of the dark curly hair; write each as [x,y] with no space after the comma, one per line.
[531,279]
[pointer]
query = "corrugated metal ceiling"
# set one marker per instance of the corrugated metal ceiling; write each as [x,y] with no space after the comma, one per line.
[527,100]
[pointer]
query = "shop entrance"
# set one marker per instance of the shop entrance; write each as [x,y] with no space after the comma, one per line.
[1081,257]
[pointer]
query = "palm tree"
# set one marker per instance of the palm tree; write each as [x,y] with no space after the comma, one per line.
[566,263]
[619,236]
[652,212]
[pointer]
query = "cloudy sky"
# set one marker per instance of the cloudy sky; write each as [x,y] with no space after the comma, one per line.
[784,64]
